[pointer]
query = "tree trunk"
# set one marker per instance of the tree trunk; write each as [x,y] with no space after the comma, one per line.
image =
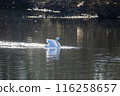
[98,1]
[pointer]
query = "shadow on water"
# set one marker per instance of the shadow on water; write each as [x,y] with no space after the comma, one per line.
[97,58]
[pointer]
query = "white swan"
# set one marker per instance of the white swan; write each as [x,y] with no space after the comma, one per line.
[53,43]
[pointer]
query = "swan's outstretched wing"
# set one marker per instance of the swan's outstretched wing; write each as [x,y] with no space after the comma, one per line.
[51,43]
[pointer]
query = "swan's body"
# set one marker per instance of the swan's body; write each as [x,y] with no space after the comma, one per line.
[53,43]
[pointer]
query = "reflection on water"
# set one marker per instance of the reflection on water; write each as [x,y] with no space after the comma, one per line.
[94,53]
[52,54]
[79,36]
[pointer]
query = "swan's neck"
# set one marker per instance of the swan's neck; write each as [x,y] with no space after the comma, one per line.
[58,44]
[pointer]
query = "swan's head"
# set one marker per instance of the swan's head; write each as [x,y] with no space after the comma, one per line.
[57,38]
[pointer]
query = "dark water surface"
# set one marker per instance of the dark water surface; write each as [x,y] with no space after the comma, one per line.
[98,57]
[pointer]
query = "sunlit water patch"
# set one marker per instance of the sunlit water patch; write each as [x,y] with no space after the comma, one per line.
[44,10]
[24,45]
[69,47]
[65,17]
[21,45]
